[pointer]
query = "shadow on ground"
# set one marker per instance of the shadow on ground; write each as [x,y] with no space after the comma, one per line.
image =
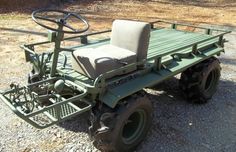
[228,61]
[181,126]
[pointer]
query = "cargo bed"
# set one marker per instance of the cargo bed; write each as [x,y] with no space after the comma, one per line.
[164,44]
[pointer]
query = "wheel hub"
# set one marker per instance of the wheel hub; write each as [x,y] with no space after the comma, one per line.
[134,126]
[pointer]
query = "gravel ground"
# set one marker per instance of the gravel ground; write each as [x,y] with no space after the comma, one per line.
[177,125]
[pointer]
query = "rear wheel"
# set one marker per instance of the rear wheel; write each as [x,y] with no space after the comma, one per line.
[128,127]
[199,83]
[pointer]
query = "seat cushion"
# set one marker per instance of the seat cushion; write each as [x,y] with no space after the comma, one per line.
[93,62]
[131,35]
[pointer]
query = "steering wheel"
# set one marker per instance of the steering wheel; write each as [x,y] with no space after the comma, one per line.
[61,22]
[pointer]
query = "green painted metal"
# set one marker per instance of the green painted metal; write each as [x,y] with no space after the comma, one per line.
[18,98]
[171,51]
[58,40]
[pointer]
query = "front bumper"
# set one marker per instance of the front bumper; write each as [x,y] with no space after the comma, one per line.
[27,104]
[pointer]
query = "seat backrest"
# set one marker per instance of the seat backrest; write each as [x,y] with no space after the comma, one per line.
[131,35]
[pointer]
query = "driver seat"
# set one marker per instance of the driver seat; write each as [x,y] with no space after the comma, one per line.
[129,44]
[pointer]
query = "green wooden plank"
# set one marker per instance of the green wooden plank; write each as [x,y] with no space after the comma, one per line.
[168,58]
[179,45]
[164,44]
[163,34]
[172,40]
[201,45]
[169,32]
[169,48]
[153,48]
[155,51]
[176,40]
[168,38]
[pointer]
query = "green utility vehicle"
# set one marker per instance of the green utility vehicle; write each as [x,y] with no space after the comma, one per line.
[106,76]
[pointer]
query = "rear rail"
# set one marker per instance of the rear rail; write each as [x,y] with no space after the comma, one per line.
[42,109]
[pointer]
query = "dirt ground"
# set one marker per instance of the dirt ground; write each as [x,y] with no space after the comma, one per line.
[213,126]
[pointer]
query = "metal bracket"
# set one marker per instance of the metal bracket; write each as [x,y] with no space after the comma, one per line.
[84,40]
[194,49]
[157,64]
[208,32]
[221,41]
[174,26]
[52,35]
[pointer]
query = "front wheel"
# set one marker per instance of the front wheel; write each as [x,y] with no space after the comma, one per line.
[129,126]
[199,83]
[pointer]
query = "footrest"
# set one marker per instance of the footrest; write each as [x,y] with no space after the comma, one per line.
[42,111]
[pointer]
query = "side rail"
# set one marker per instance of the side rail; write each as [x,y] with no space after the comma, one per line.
[83,39]
[175,25]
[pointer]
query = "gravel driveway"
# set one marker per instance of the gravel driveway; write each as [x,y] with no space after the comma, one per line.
[177,125]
